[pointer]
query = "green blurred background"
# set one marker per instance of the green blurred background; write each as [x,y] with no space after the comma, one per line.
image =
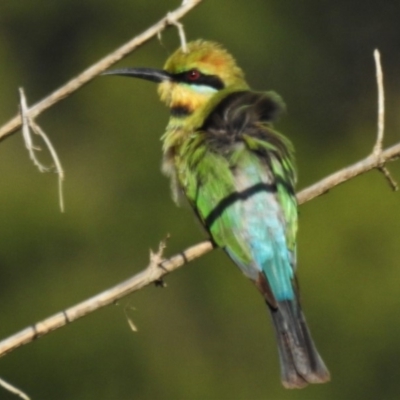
[207,335]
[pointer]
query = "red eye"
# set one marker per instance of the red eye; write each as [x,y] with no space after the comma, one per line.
[193,75]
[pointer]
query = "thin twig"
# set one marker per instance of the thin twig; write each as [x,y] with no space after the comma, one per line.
[58,167]
[381,103]
[13,389]
[91,72]
[131,324]
[345,174]
[377,150]
[181,31]
[390,180]
[26,132]
[27,124]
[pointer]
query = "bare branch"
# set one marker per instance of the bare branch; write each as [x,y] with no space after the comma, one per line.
[348,173]
[158,267]
[377,150]
[26,133]
[27,123]
[381,104]
[377,159]
[181,31]
[154,272]
[91,72]
[13,389]
[391,181]
[58,167]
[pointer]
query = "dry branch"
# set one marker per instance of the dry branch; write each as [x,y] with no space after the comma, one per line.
[345,174]
[158,267]
[381,103]
[14,390]
[74,84]
[29,124]
[26,120]
[153,273]
[377,150]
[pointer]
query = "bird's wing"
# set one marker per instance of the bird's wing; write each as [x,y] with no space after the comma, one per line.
[239,176]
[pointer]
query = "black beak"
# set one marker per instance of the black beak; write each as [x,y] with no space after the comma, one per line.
[150,74]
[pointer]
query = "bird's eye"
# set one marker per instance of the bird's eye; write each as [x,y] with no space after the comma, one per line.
[193,75]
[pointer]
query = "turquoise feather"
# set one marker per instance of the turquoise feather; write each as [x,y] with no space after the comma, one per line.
[222,152]
[238,174]
[254,231]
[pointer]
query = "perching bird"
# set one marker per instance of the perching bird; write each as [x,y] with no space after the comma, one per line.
[238,173]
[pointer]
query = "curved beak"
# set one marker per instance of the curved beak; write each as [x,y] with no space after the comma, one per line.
[149,74]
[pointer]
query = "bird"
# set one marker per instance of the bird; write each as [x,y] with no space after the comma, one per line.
[221,152]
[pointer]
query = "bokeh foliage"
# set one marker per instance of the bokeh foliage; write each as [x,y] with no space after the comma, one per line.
[207,335]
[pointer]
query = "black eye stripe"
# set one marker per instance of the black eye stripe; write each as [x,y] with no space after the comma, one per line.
[206,80]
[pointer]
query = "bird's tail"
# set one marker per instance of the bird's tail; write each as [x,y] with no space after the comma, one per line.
[299,359]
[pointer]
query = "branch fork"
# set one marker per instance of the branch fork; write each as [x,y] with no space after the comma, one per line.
[29,123]
[377,150]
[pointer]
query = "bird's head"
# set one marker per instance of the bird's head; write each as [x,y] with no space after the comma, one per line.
[189,79]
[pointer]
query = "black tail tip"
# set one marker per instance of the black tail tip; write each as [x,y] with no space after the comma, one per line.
[296,381]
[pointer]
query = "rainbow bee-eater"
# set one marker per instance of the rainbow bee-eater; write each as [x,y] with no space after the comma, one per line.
[238,174]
